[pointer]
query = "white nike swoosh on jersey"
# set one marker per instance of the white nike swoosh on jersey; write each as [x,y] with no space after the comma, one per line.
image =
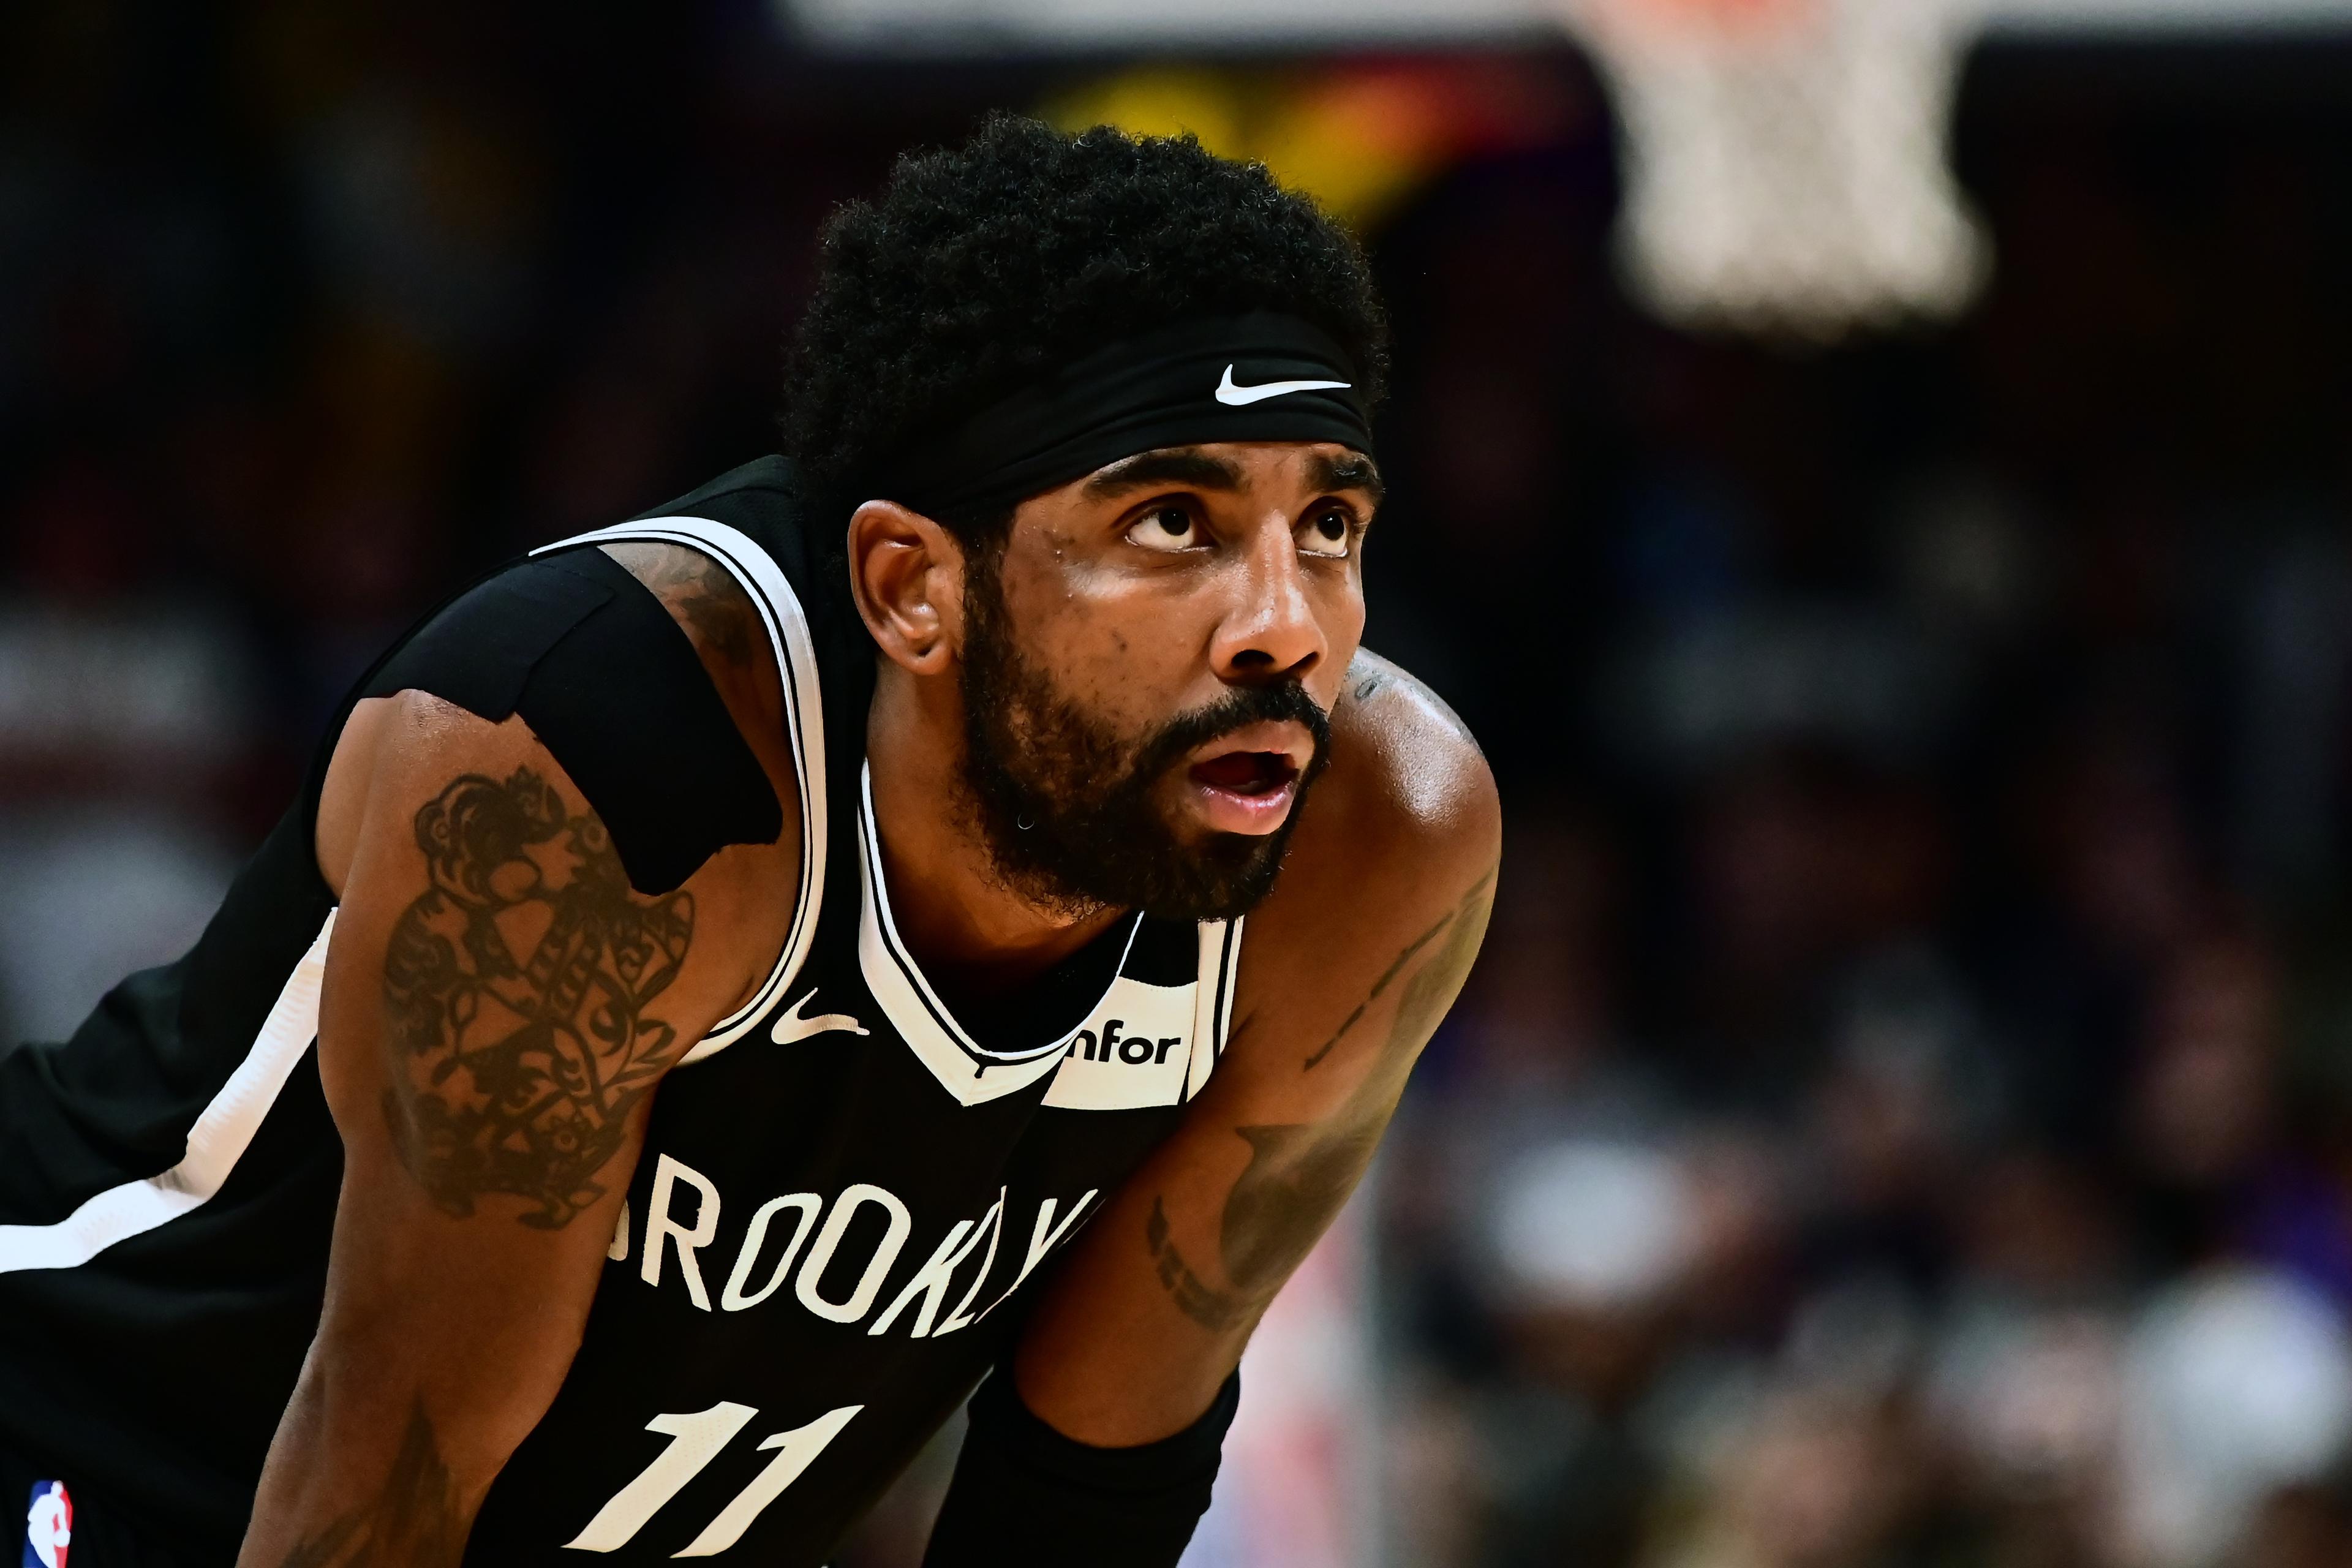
[1234,396]
[792,1026]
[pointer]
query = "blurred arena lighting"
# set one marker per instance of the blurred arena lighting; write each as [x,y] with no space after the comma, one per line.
[1361,134]
[1785,159]
[953,28]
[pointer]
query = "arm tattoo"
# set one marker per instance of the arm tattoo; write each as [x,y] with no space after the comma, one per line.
[1300,1173]
[415,1522]
[516,986]
[1215,1309]
[1432,987]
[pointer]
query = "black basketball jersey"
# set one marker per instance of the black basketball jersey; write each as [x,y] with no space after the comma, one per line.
[846,1196]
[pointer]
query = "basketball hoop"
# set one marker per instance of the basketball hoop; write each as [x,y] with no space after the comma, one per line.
[1785,160]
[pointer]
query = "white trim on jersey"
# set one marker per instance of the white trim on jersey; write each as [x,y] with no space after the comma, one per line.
[1221,945]
[965,1068]
[223,1131]
[1196,1012]
[788,634]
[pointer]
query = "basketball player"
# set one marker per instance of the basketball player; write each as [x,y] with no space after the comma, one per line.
[733,979]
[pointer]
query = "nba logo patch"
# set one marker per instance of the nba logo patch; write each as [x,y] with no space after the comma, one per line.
[49,1526]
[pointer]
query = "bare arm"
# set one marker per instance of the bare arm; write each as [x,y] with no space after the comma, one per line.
[500,1006]
[1346,972]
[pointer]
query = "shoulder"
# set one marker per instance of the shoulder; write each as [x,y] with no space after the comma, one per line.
[1407,792]
[1398,838]
[720,619]
[401,755]
[422,794]
[659,712]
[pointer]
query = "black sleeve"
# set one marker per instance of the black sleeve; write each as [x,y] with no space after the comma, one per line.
[614,689]
[1023,1493]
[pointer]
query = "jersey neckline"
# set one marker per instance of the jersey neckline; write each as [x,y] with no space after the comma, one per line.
[915,1008]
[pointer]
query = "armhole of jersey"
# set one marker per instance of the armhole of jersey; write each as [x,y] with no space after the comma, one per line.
[788,634]
[1220,952]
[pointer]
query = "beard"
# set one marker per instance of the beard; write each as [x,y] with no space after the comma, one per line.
[1070,808]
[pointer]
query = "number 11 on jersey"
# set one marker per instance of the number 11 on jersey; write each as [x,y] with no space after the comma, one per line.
[695,1440]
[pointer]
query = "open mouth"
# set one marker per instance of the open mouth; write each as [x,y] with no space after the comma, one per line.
[1248,773]
[1244,791]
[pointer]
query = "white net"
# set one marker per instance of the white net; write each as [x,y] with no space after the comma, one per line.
[1785,160]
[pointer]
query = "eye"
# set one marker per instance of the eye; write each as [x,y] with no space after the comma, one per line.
[1165,526]
[1326,532]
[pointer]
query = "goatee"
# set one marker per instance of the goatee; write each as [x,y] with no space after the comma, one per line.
[1070,809]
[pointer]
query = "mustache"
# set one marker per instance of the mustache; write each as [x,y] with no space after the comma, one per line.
[1284,701]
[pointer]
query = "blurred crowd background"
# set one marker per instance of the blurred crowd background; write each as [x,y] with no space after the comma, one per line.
[1904,1113]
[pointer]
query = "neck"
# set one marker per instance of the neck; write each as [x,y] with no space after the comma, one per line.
[973,936]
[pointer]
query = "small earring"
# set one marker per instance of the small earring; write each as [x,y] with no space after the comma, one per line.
[1023,822]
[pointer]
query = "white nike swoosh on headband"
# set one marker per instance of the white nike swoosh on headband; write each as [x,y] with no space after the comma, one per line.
[1237,396]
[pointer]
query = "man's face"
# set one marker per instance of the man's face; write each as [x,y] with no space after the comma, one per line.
[1147,667]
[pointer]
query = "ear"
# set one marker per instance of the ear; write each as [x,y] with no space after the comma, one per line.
[907,575]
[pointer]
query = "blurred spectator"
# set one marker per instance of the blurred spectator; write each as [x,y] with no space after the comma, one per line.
[2238,1383]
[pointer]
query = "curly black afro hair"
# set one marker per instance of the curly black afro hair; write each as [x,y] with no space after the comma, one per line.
[978,268]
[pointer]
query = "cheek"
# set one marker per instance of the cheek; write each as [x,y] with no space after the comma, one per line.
[1342,615]
[1123,655]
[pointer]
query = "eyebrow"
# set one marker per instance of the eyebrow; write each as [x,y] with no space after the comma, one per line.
[1188,465]
[1351,472]
[1176,466]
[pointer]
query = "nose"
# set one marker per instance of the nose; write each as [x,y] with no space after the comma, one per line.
[1270,632]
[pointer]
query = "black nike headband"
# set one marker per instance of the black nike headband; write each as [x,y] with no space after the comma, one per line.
[1257,377]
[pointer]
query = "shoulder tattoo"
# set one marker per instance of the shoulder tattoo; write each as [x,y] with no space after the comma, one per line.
[517,990]
[712,602]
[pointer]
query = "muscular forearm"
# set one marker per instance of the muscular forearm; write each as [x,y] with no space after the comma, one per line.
[420,1385]
[1155,1306]
[390,1502]
[1200,1261]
